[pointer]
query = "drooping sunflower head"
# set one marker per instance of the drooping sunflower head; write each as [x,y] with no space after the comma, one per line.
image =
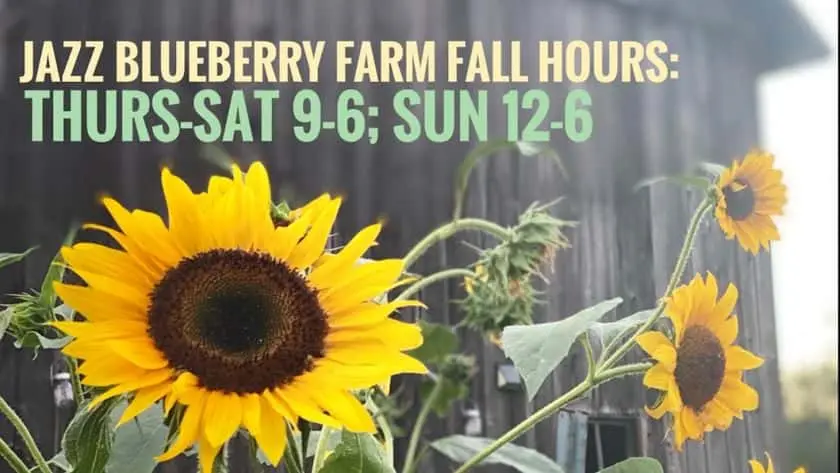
[750,193]
[244,322]
[757,467]
[700,372]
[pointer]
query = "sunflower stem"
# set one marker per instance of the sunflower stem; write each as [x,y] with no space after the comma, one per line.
[387,435]
[591,367]
[447,230]
[576,392]
[417,430]
[321,448]
[12,459]
[24,433]
[676,275]
[433,278]
[75,381]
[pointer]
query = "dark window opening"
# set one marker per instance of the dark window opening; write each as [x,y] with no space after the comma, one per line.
[610,441]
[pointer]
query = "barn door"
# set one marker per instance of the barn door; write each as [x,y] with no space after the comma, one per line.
[571,441]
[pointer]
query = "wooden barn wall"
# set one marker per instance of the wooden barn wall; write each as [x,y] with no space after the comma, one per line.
[625,244]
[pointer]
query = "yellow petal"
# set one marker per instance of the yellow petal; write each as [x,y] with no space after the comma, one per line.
[363,285]
[727,332]
[346,258]
[376,354]
[725,305]
[103,330]
[188,431]
[302,404]
[738,358]
[368,313]
[207,453]
[737,395]
[314,243]
[657,345]
[756,467]
[108,262]
[219,185]
[345,408]
[286,238]
[251,414]
[271,437]
[128,293]
[222,416]
[97,305]
[256,179]
[150,378]
[185,222]
[692,425]
[144,398]
[107,371]
[139,351]
[658,377]
[393,333]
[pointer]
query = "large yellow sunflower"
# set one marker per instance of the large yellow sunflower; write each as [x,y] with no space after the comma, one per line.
[757,467]
[750,193]
[244,323]
[701,371]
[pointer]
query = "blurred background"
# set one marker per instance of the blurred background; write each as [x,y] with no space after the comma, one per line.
[799,123]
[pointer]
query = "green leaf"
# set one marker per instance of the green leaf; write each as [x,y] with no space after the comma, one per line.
[55,273]
[12,258]
[461,448]
[357,453]
[52,343]
[606,331]
[696,182]
[60,461]
[138,442]
[5,320]
[537,349]
[438,342]
[635,465]
[87,440]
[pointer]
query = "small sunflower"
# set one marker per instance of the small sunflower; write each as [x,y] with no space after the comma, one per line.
[244,322]
[700,373]
[750,193]
[757,467]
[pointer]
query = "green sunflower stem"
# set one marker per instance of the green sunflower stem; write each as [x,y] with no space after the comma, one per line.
[321,448]
[676,275]
[12,459]
[433,278]
[76,382]
[387,435]
[447,230]
[575,393]
[417,431]
[24,433]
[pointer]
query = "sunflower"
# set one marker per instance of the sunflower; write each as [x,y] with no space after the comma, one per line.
[242,322]
[756,467]
[700,373]
[750,193]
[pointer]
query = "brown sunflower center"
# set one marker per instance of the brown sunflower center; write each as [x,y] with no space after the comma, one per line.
[700,366]
[740,200]
[239,321]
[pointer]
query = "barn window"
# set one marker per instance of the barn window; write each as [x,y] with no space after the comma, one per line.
[588,444]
